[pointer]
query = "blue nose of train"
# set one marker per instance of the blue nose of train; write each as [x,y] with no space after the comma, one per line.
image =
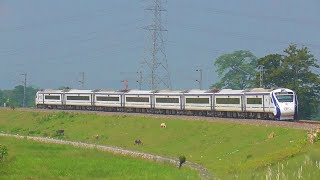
[285,104]
[287,111]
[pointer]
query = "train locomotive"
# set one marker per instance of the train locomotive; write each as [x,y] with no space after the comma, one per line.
[256,103]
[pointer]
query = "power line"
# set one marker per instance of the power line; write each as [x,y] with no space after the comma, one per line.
[257,15]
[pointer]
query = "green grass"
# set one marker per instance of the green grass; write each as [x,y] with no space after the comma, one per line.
[226,149]
[32,160]
[302,166]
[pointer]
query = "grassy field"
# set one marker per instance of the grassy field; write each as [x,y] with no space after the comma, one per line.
[32,160]
[227,150]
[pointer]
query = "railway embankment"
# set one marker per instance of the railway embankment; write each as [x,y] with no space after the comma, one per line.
[251,144]
[302,124]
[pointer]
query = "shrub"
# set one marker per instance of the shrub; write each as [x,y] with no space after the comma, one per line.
[3,152]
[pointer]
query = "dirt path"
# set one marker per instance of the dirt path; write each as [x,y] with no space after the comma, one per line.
[204,173]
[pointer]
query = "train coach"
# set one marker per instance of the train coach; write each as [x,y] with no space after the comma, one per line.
[258,103]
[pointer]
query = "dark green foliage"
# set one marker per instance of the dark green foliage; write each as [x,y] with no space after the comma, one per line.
[237,70]
[14,97]
[294,70]
[2,99]
[316,116]
[182,159]
[3,152]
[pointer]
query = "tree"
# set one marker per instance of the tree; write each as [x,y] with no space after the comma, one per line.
[236,70]
[15,97]
[30,96]
[272,73]
[2,99]
[295,70]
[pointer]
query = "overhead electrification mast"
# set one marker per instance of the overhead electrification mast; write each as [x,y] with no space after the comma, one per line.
[155,65]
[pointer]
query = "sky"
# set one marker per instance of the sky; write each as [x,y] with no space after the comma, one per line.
[54,41]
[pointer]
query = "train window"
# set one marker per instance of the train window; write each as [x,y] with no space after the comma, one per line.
[285,98]
[167,100]
[197,100]
[137,99]
[52,97]
[227,100]
[254,100]
[104,98]
[78,98]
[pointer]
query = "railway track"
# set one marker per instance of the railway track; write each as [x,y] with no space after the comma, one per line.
[308,122]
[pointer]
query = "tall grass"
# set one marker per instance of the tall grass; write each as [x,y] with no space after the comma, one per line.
[302,169]
[227,150]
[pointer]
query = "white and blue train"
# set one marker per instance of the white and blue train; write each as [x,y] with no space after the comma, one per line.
[258,103]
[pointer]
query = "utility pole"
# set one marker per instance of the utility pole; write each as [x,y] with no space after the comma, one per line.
[140,79]
[155,59]
[200,81]
[261,75]
[24,89]
[82,80]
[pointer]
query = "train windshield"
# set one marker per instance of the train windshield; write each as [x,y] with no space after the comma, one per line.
[285,98]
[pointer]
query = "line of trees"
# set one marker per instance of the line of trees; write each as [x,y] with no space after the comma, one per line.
[294,69]
[14,97]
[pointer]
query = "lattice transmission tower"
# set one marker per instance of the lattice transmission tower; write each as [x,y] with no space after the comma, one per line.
[155,65]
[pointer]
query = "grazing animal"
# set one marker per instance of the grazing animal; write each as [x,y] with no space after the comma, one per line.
[60,132]
[318,132]
[311,138]
[12,107]
[271,135]
[163,125]
[182,159]
[96,136]
[138,142]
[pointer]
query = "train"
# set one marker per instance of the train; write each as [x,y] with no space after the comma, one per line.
[255,103]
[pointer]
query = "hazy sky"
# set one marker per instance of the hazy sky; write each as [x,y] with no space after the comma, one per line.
[53,41]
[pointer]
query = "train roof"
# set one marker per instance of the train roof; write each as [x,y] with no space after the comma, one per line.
[106,91]
[191,91]
[167,92]
[76,91]
[50,91]
[197,91]
[246,91]
[68,91]
[229,91]
[257,90]
[135,91]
